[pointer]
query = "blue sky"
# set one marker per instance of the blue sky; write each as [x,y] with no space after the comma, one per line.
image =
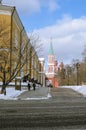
[75,8]
[63,20]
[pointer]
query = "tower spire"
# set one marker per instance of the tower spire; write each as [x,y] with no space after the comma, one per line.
[51,52]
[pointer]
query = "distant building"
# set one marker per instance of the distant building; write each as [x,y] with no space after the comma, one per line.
[41,72]
[52,69]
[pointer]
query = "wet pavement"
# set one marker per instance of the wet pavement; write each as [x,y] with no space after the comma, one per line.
[65,110]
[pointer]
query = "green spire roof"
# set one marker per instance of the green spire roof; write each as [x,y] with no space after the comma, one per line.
[51,49]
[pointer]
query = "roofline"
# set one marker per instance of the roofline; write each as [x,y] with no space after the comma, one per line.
[18,20]
[6,7]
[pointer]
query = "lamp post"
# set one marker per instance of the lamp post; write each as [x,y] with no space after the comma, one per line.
[68,74]
[77,68]
[0,1]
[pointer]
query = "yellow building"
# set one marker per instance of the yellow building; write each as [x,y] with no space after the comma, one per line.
[14,44]
[17,56]
[33,64]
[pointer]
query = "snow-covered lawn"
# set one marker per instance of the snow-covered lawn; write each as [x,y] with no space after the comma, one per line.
[11,93]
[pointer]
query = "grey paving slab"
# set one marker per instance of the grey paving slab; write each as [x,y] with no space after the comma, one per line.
[40,92]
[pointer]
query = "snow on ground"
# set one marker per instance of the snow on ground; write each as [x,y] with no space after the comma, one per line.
[11,94]
[80,89]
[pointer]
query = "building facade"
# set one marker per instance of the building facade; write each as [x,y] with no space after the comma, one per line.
[41,72]
[17,56]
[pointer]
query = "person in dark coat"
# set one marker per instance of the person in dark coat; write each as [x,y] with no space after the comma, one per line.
[29,86]
[34,86]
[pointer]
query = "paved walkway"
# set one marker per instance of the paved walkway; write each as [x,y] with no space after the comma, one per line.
[39,93]
[66,110]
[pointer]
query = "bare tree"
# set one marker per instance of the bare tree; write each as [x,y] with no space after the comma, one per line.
[36,43]
[19,56]
[4,51]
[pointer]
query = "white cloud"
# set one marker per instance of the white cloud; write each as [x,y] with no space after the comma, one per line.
[53,5]
[69,38]
[25,7]
[69,35]
[32,6]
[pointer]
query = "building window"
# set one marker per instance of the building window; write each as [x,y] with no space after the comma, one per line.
[51,59]
[16,38]
[51,69]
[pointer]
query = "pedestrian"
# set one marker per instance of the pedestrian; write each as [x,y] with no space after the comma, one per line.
[34,86]
[29,86]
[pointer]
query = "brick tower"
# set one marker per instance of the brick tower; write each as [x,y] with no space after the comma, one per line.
[52,68]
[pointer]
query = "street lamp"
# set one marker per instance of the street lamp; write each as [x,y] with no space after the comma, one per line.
[77,68]
[0,1]
[68,73]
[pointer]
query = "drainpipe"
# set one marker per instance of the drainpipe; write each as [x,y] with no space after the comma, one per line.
[20,46]
[11,30]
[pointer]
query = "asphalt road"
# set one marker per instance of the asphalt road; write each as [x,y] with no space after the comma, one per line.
[65,110]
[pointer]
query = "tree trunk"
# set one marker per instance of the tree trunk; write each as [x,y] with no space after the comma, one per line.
[3,90]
